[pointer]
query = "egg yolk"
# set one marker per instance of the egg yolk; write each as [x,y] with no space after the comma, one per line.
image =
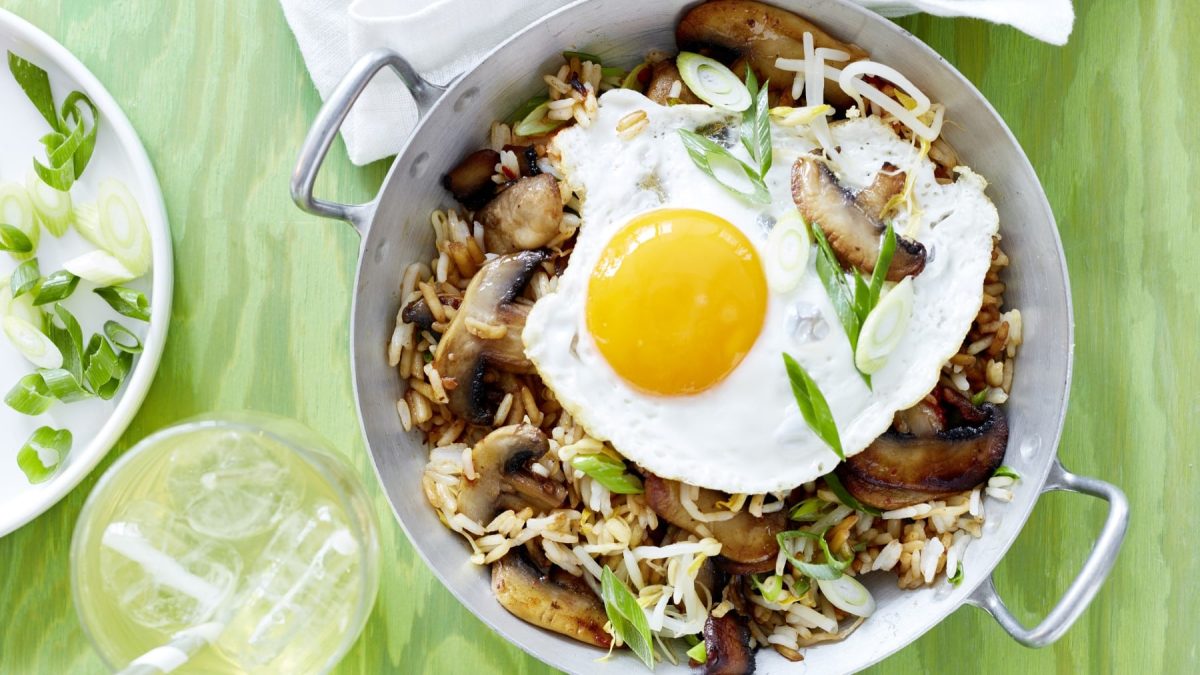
[676,301]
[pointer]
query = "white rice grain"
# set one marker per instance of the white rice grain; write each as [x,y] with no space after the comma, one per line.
[914,511]
[1001,494]
[888,557]
[930,558]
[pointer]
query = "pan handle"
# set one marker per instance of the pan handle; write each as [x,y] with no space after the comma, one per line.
[329,121]
[1091,577]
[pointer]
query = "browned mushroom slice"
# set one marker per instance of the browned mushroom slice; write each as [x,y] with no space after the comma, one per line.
[418,313]
[485,335]
[663,76]
[742,31]
[555,601]
[524,217]
[503,477]
[471,181]
[853,234]
[744,539]
[727,646]
[899,470]
[875,197]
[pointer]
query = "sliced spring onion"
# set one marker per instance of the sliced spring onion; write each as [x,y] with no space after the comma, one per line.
[14,240]
[43,453]
[126,301]
[756,124]
[770,588]
[979,397]
[582,56]
[16,211]
[793,117]
[122,338]
[69,340]
[537,123]
[32,343]
[64,386]
[730,172]
[53,207]
[56,287]
[29,396]
[36,84]
[813,406]
[1006,470]
[883,263]
[712,82]
[612,74]
[787,252]
[101,362]
[124,364]
[637,78]
[698,653]
[100,268]
[831,569]
[884,327]
[526,108]
[24,278]
[86,218]
[609,472]
[626,616]
[122,229]
[848,595]
[21,307]
[835,486]
[807,510]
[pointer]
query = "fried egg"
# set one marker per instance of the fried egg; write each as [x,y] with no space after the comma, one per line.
[663,337]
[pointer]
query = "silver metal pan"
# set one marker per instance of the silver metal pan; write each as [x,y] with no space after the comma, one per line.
[395,231]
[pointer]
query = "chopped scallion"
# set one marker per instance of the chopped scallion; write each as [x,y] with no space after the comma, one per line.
[43,453]
[848,594]
[813,406]
[24,278]
[56,287]
[957,577]
[100,268]
[698,653]
[122,338]
[53,207]
[126,301]
[712,82]
[626,616]
[582,56]
[32,343]
[609,472]
[734,174]
[844,496]
[536,123]
[29,396]
[1006,470]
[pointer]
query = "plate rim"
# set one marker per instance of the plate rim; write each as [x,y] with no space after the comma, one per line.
[162,283]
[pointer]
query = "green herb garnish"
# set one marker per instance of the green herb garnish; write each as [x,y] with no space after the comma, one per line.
[24,278]
[829,570]
[29,396]
[844,496]
[807,510]
[12,239]
[711,157]
[56,287]
[958,575]
[126,301]
[1005,470]
[122,338]
[626,616]
[698,653]
[69,340]
[813,406]
[771,588]
[609,472]
[756,124]
[979,397]
[43,453]
[582,56]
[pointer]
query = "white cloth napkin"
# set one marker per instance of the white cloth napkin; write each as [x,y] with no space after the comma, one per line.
[442,38]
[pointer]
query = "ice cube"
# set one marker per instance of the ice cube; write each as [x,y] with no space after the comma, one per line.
[232,485]
[299,593]
[162,574]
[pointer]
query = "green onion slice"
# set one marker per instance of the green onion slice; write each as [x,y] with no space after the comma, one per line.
[53,207]
[24,278]
[68,338]
[121,228]
[787,252]
[32,343]
[770,588]
[807,510]
[1006,470]
[29,396]
[43,453]
[712,82]
[957,578]
[126,301]
[122,338]
[582,56]
[14,240]
[698,653]
[100,268]
[100,363]
[730,172]
[831,569]
[756,124]
[979,397]
[813,406]
[17,212]
[64,386]
[535,123]
[56,287]
[21,307]
[884,327]
[525,108]
[844,496]
[637,78]
[609,472]
[848,595]
[36,84]
[627,617]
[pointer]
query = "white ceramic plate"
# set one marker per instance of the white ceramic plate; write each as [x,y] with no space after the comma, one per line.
[96,425]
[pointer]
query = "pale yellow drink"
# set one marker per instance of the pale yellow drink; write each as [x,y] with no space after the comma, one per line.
[243,527]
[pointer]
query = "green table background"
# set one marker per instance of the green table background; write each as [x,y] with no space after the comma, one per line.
[219,94]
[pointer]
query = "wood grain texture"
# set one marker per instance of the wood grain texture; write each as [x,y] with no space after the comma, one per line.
[220,97]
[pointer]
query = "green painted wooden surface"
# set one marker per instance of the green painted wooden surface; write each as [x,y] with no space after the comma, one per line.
[219,94]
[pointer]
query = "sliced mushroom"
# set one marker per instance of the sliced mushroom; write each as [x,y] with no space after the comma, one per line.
[524,217]
[503,477]
[743,31]
[899,470]
[745,540]
[875,197]
[727,646]
[555,601]
[663,76]
[485,335]
[471,181]
[924,420]
[418,313]
[853,234]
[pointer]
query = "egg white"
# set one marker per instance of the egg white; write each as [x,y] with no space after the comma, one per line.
[746,433]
